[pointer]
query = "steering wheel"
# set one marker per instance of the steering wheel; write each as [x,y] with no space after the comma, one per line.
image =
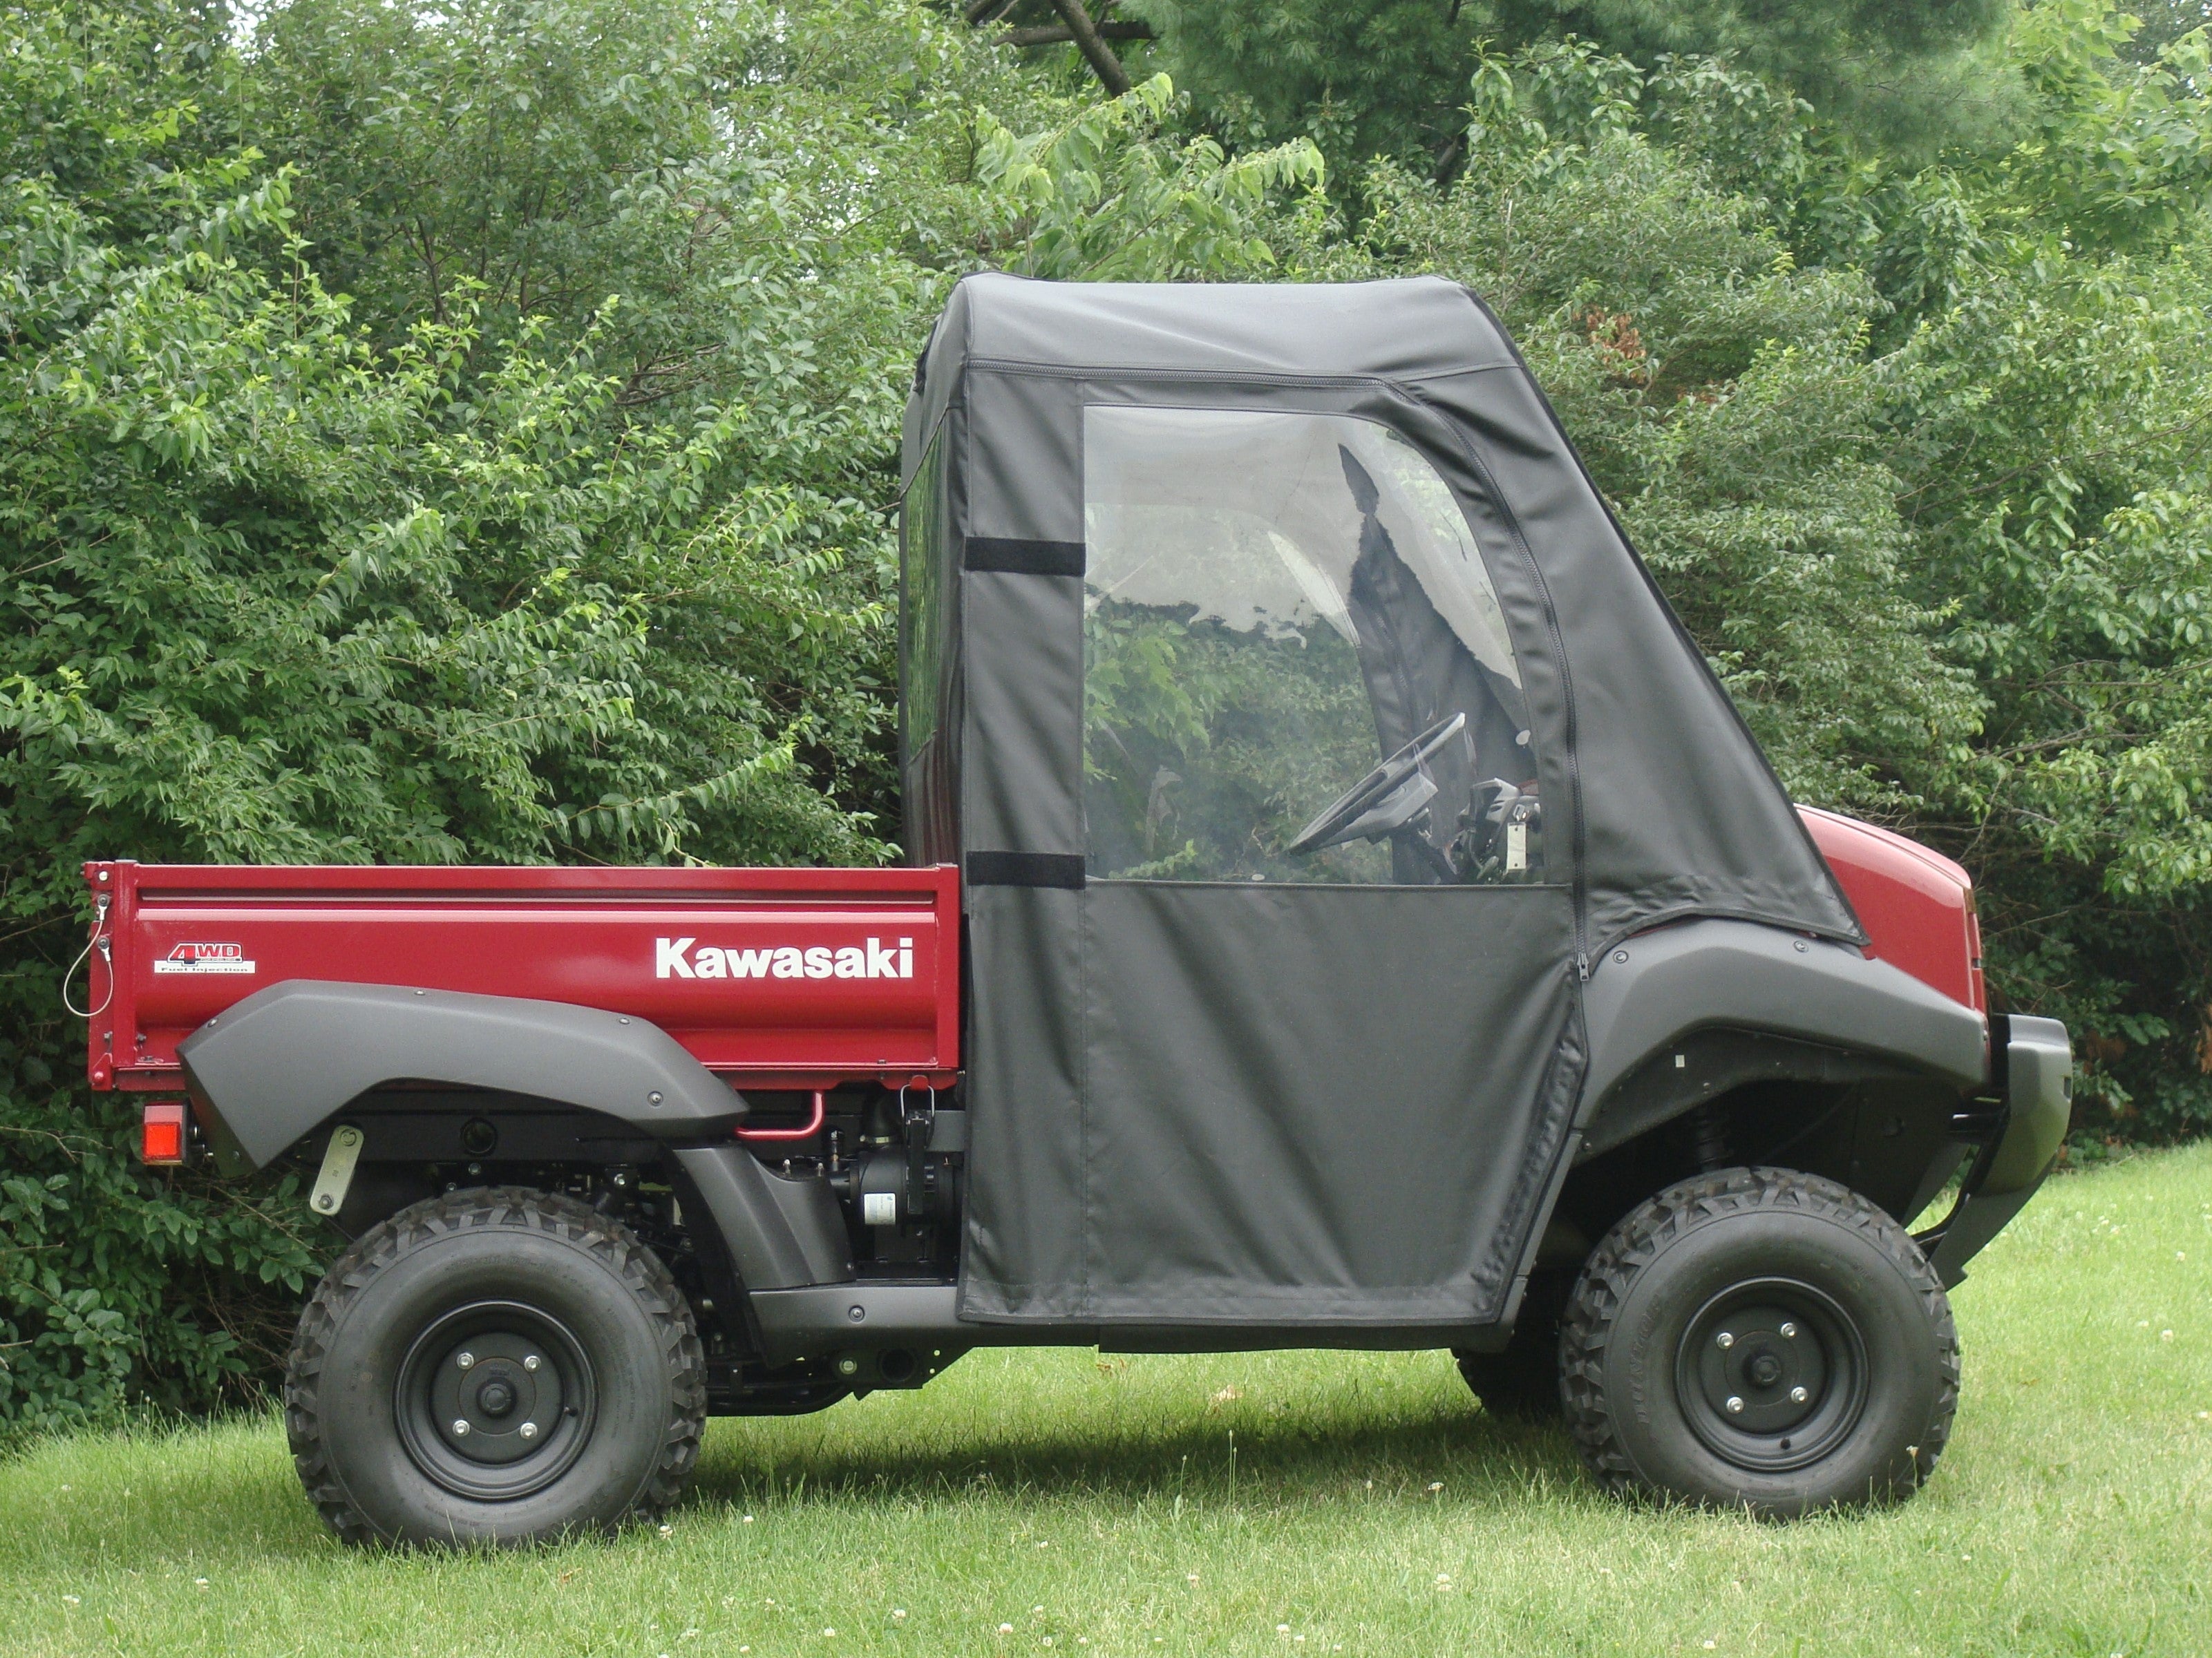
[1386,799]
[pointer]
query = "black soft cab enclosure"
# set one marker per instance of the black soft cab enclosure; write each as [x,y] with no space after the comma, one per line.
[1305,727]
[1383,929]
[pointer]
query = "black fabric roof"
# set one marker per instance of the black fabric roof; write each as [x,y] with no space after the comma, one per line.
[1673,811]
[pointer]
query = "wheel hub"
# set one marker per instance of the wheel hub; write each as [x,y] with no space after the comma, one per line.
[495,1400]
[499,1407]
[1772,1374]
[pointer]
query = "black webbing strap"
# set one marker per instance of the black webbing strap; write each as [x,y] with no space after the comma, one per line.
[1025,868]
[1021,557]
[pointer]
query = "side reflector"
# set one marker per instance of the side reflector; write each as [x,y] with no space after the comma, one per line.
[161,1137]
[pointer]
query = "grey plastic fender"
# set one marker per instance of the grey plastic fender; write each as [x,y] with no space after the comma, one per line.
[1661,986]
[284,1061]
[780,1233]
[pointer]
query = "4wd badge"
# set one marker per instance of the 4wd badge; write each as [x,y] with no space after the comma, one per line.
[204,958]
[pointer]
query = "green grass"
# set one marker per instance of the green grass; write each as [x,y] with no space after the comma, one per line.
[1277,1504]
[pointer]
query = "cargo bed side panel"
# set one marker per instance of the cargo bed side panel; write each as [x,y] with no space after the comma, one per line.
[794,976]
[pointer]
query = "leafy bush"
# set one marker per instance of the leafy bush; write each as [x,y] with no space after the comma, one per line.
[470,433]
[277,597]
[563,536]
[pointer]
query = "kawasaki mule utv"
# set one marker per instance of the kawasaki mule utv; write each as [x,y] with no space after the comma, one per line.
[1344,911]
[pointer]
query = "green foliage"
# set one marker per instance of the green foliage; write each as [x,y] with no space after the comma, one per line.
[2112,154]
[1207,749]
[469,433]
[1388,78]
[271,596]
[766,189]
[449,436]
[1100,199]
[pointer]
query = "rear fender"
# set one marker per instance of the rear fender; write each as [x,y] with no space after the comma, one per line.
[271,1069]
[779,1233]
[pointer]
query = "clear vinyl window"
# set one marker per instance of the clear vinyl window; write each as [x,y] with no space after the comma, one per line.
[921,554]
[1295,664]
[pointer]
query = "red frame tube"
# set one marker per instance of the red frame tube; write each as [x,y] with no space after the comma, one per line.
[813,1126]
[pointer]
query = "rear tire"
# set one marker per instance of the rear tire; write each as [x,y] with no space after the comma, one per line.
[499,1366]
[1760,1338]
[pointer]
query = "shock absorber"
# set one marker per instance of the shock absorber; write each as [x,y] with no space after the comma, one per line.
[1710,1125]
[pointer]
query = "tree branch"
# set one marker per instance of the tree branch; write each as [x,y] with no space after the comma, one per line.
[2060,456]
[1058,34]
[1096,52]
[980,12]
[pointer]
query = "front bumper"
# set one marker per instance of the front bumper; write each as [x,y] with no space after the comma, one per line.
[2035,1083]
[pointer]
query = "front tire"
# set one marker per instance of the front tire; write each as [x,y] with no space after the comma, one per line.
[498,1366]
[1760,1338]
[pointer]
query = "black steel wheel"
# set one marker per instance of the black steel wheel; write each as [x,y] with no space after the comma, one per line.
[494,1366]
[1784,1343]
[1771,1374]
[495,1400]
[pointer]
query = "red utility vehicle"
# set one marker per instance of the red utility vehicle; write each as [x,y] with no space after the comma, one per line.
[1345,911]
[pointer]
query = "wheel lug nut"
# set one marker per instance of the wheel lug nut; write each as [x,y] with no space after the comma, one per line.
[529,1430]
[1790,1331]
[1724,1340]
[463,1360]
[531,1362]
[461,1426]
[1798,1395]
[1735,1404]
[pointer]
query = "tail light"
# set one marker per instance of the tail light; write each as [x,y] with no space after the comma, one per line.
[161,1134]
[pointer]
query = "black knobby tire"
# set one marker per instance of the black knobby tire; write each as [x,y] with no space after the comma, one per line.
[1520,1380]
[548,1329]
[1760,1338]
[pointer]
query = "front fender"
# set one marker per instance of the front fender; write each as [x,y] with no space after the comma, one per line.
[1655,989]
[283,1061]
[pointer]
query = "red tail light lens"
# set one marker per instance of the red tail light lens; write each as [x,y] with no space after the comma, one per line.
[161,1136]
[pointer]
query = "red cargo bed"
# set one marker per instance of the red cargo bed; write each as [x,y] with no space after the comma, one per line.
[776,978]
